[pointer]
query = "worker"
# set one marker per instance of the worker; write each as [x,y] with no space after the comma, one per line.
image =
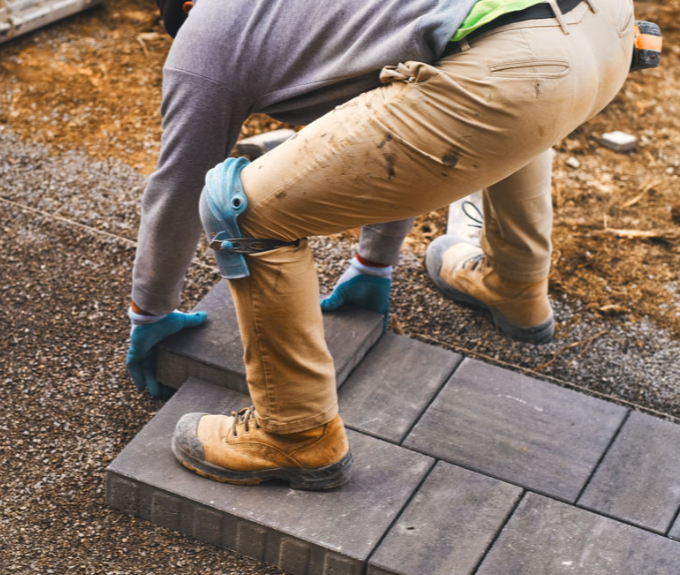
[409,106]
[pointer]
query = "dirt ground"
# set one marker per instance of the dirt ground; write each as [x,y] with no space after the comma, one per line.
[93,82]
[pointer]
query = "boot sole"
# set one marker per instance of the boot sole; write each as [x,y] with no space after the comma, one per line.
[318,479]
[541,333]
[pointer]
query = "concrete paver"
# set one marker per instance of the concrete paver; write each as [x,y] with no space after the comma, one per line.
[639,479]
[464,493]
[545,536]
[394,383]
[543,437]
[307,533]
[214,352]
[448,526]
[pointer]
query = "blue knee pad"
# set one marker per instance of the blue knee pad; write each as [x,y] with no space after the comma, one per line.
[222,201]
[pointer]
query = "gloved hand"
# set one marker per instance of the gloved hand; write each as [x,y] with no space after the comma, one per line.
[364,286]
[147,332]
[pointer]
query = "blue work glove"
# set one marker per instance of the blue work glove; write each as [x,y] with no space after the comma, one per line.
[147,332]
[363,286]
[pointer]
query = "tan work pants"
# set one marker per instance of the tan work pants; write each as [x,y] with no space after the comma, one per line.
[483,118]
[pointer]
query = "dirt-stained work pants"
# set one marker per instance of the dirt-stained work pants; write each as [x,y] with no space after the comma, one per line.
[482,118]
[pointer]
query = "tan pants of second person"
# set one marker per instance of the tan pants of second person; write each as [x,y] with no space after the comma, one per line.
[483,118]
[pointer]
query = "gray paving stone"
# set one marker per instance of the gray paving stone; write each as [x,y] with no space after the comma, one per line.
[214,352]
[388,391]
[306,533]
[639,479]
[448,526]
[531,433]
[547,537]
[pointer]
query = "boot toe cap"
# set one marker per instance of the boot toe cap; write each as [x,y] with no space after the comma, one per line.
[186,438]
[434,258]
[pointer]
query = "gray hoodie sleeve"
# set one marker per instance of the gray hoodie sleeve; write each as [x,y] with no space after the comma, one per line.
[381,242]
[201,123]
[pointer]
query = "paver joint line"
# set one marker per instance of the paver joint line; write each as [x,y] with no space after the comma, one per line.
[545,536]
[500,531]
[386,477]
[674,526]
[596,512]
[214,352]
[429,404]
[604,454]
[391,386]
[613,517]
[637,481]
[447,526]
[400,513]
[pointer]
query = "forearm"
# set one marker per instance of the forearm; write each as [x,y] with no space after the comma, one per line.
[201,121]
[168,236]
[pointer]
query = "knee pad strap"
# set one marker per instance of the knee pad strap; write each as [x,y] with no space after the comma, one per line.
[222,201]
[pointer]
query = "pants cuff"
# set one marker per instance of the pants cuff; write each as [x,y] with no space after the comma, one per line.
[271,425]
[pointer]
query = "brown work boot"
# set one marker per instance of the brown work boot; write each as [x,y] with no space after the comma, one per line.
[462,272]
[237,450]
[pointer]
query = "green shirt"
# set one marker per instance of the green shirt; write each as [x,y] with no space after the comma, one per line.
[486,11]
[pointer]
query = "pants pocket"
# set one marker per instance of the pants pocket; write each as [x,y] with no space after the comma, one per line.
[548,68]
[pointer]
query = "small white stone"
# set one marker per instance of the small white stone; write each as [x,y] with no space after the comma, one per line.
[618,141]
[573,163]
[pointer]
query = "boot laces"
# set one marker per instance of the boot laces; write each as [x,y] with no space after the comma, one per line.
[245,416]
[477,261]
[474,214]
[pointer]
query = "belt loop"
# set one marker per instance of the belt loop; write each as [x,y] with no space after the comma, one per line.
[559,15]
[593,6]
[464,45]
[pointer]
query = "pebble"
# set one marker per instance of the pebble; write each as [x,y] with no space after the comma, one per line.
[573,163]
[619,141]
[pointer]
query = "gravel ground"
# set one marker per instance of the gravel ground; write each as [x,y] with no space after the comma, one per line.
[68,225]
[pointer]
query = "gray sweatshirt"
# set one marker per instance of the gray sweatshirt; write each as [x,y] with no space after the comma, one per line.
[292,59]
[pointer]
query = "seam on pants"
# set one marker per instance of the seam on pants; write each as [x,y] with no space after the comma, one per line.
[269,388]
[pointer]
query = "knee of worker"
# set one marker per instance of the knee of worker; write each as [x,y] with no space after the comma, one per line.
[266,216]
[228,215]
[263,223]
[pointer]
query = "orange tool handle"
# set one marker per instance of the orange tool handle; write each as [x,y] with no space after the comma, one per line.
[647,41]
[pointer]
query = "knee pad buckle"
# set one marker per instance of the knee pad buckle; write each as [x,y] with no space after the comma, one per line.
[222,201]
